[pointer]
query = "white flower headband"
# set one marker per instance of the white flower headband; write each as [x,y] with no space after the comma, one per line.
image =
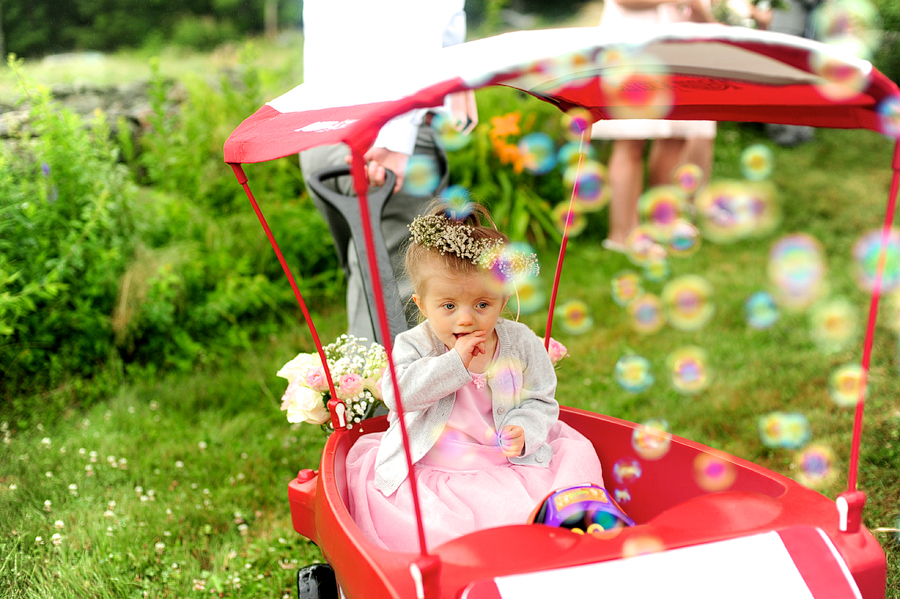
[438,232]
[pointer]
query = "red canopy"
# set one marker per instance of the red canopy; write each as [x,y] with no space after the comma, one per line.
[711,72]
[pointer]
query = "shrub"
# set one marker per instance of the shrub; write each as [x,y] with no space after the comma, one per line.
[66,232]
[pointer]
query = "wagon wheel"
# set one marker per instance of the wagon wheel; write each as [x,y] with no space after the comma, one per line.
[316,581]
[348,207]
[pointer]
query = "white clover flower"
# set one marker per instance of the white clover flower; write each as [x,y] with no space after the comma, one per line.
[144,498]
[240,476]
[123,463]
[59,524]
[56,539]
[93,456]
[160,547]
[139,489]
[154,406]
[82,451]
[47,504]
[48,474]
[131,409]
[89,469]
[242,528]
[109,514]
[38,540]
[46,442]
[13,487]
[202,445]
[179,464]
[73,489]
[112,504]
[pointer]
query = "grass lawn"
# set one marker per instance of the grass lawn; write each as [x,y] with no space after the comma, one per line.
[177,487]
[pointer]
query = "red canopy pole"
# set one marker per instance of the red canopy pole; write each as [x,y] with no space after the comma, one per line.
[361,183]
[585,137]
[242,179]
[850,503]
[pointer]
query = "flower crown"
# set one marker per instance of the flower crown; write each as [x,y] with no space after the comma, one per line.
[438,232]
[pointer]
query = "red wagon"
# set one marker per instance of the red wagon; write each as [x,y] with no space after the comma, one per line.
[766,535]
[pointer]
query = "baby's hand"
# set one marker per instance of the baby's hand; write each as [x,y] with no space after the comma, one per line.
[512,440]
[470,345]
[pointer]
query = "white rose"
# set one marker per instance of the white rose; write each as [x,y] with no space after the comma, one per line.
[306,406]
[299,366]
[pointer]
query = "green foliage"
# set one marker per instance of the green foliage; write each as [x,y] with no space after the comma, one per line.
[65,235]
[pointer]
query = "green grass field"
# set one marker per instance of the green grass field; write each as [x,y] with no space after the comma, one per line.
[176,487]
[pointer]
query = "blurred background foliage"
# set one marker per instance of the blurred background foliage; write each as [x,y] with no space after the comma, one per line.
[129,253]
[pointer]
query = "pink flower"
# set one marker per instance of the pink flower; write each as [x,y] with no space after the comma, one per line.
[557,351]
[351,385]
[373,384]
[316,379]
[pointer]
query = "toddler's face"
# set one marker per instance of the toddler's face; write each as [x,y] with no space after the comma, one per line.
[457,305]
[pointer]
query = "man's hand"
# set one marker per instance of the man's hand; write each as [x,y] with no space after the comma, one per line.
[378,159]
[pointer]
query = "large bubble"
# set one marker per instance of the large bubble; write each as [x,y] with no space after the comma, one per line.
[636,86]
[889,116]
[844,385]
[646,313]
[867,254]
[626,471]
[625,287]
[684,239]
[815,466]
[688,302]
[633,373]
[761,311]
[757,162]
[688,178]
[590,185]
[714,473]
[732,210]
[527,298]
[449,134]
[457,202]
[660,208]
[689,370]
[574,317]
[422,176]
[538,153]
[575,122]
[569,221]
[652,439]
[642,246]
[834,324]
[780,429]
[797,268]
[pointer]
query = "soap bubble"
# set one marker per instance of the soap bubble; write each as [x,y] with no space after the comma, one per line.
[636,86]
[575,219]
[689,370]
[757,162]
[626,471]
[626,286]
[633,373]
[815,466]
[451,137]
[538,153]
[834,324]
[687,302]
[788,430]
[646,312]
[844,385]
[866,255]
[797,268]
[713,473]
[457,201]
[575,317]
[688,178]
[422,176]
[761,311]
[652,439]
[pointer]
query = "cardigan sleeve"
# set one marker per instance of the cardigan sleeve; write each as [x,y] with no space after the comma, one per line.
[424,375]
[537,409]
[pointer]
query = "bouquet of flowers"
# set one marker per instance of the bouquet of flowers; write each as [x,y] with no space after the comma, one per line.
[356,370]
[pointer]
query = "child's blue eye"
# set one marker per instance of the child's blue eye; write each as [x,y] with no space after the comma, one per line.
[448,306]
[482,305]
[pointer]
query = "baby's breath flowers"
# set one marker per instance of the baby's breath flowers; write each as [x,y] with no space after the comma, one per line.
[444,235]
[356,370]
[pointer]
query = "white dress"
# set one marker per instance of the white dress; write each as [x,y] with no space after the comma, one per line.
[617,18]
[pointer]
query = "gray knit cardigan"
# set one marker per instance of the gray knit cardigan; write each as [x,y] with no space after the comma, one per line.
[522,383]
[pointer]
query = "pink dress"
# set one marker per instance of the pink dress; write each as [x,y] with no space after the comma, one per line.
[464,482]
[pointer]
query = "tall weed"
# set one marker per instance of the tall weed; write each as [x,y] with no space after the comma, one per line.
[66,232]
